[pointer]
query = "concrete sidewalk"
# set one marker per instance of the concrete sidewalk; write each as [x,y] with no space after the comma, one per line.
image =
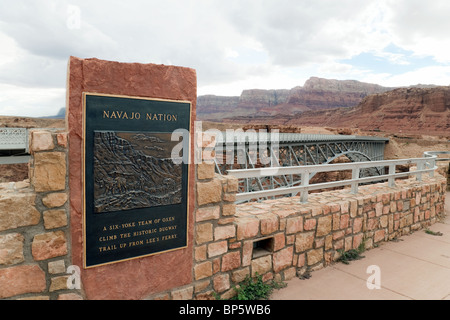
[415,267]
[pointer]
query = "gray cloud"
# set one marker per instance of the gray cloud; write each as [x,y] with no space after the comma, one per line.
[287,35]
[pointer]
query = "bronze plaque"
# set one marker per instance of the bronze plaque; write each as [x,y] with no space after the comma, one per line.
[135,185]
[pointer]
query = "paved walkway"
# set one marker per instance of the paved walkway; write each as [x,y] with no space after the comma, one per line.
[415,267]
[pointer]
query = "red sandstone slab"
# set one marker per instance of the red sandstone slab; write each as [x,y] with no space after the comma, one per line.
[137,278]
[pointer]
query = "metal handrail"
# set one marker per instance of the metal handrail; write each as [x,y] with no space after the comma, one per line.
[13,139]
[436,153]
[14,143]
[424,165]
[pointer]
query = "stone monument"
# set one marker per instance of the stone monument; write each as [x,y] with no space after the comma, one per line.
[131,203]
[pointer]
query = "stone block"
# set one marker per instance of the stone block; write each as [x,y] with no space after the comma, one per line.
[55,267]
[247,228]
[232,184]
[209,192]
[247,252]
[54,200]
[304,241]
[18,210]
[353,208]
[221,282]
[207,213]
[229,197]
[269,223]
[310,224]
[323,226]
[279,241]
[357,225]
[49,245]
[204,233]
[203,270]
[261,265]
[225,232]
[357,240]
[379,209]
[58,283]
[11,249]
[228,209]
[41,140]
[205,170]
[49,173]
[314,256]
[61,138]
[20,280]
[283,259]
[384,221]
[240,275]
[217,248]
[344,207]
[379,235]
[231,261]
[55,218]
[200,253]
[345,218]
[294,225]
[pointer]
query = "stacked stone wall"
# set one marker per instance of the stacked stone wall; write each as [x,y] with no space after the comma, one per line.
[283,238]
[34,225]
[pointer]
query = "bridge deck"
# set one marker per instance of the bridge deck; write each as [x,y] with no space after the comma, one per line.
[262,137]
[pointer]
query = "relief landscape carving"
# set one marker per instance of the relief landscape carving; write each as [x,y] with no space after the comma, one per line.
[134,170]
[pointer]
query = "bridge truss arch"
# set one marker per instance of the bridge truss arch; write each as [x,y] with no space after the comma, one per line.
[257,150]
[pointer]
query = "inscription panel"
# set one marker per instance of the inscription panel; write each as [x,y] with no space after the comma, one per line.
[135,186]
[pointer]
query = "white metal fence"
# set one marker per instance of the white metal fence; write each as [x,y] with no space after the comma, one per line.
[427,164]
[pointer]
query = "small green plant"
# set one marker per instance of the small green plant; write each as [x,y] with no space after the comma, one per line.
[353,254]
[256,289]
[433,233]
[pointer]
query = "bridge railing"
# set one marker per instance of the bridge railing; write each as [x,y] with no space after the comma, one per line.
[437,153]
[423,165]
[14,145]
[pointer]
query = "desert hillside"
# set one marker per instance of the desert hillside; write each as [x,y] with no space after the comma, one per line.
[411,111]
[315,94]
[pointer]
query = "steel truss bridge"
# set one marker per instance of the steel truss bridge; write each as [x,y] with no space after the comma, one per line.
[250,150]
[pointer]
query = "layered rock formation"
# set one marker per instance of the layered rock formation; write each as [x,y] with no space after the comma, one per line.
[316,94]
[424,111]
[320,93]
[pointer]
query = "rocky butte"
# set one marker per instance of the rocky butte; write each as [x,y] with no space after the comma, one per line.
[316,94]
[404,110]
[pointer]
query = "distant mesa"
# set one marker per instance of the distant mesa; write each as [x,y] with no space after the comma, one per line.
[316,94]
[418,109]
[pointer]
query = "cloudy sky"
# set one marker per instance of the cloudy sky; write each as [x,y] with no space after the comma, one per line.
[233,44]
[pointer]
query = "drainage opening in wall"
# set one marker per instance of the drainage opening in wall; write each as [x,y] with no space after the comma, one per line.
[262,247]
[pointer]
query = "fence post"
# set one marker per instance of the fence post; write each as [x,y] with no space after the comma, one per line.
[355,176]
[305,183]
[391,179]
[419,167]
[432,165]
